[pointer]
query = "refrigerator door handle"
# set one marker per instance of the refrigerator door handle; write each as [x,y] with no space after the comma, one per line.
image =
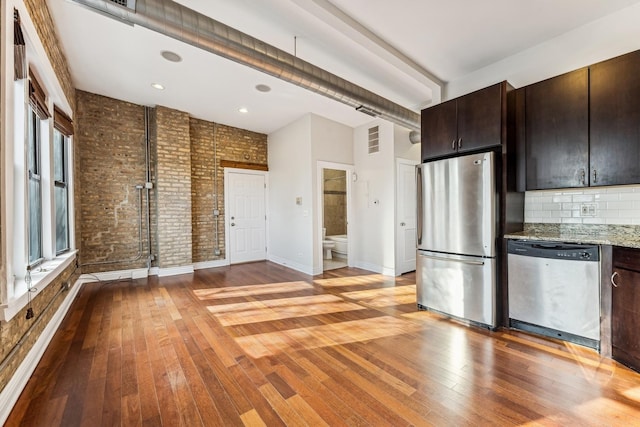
[440,258]
[420,205]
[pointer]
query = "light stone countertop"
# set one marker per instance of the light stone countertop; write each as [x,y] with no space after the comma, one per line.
[615,235]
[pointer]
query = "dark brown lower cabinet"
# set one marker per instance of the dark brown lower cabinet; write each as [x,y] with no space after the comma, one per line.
[625,307]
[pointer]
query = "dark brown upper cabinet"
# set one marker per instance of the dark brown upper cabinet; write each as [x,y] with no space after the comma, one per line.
[625,307]
[557,132]
[468,123]
[615,121]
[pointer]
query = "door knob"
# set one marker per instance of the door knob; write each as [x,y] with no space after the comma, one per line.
[402,224]
[233,217]
[233,224]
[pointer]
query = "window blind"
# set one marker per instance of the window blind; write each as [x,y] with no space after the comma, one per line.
[62,122]
[37,97]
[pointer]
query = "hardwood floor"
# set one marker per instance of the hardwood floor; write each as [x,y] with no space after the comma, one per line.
[259,344]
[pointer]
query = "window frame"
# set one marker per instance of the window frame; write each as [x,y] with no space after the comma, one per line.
[63,141]
[37,87]
[34,176]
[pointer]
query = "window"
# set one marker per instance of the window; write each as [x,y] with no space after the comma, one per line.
[39,168]
[34,191]
[61,191]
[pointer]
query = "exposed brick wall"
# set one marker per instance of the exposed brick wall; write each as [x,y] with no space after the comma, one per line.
[241,145]
[204,192]
[173,187]
[153,165]
[110,136]
[39,13]
[232,144]
[182,169]
[11,332]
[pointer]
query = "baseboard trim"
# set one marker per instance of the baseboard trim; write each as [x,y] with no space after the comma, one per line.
[291,264]
[210,264]
[106,276]
[375,268]
[11,392]
[175,271]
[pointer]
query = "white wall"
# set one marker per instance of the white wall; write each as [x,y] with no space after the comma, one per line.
[294,236]
[330,142]
[605,38]
[404,149]
[290,176]
[374,201]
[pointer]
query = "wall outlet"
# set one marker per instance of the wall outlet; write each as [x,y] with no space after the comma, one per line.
[588,209]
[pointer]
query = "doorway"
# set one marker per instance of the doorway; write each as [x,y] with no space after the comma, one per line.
[405,216]
[334,212]
[246,213]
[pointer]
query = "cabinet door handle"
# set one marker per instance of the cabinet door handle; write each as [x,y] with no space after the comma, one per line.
[459,143]
[613,276]
[583,177]
[595,176]
[453,145]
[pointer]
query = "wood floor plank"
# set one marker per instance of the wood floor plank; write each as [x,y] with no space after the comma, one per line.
[260,344]
[252,419]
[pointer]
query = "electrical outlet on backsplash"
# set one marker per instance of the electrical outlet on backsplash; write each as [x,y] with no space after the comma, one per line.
[619,205]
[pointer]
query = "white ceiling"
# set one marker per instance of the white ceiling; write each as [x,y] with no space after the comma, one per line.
[396,49]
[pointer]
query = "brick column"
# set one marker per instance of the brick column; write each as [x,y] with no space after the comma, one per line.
[173,188]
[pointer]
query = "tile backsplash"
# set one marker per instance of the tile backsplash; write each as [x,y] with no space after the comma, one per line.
[598,205]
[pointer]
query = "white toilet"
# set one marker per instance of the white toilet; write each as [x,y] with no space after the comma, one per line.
[327,245]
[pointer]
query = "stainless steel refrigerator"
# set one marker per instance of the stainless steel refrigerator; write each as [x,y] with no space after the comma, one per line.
[456,237]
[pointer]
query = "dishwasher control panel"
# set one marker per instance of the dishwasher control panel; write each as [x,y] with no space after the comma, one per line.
[552,250]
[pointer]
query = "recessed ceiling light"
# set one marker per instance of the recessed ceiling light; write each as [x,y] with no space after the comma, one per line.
[263,88]
[157,86]
[243,110]
[171,56]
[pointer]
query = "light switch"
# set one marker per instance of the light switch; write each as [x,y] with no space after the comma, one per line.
[299,201]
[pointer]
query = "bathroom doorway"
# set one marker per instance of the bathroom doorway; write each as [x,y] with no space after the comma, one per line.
[334,211]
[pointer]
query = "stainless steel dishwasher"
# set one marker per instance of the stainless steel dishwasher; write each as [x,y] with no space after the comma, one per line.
[554,290]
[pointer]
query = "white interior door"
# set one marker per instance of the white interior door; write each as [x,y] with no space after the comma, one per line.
[406,216]
[246,216]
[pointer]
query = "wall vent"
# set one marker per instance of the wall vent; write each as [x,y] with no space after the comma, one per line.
[129,4]
[374,140]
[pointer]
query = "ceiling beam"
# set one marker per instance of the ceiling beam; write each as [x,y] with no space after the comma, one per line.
[344,23]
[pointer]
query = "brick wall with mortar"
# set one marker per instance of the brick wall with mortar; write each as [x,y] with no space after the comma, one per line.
[153,166]
[232,144]
[204,192]
[173,187]
[111,139]
[14,330]
[41,17]
[11,332]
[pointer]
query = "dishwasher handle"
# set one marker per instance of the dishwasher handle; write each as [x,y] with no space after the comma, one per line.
[462,261]
[613,277]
